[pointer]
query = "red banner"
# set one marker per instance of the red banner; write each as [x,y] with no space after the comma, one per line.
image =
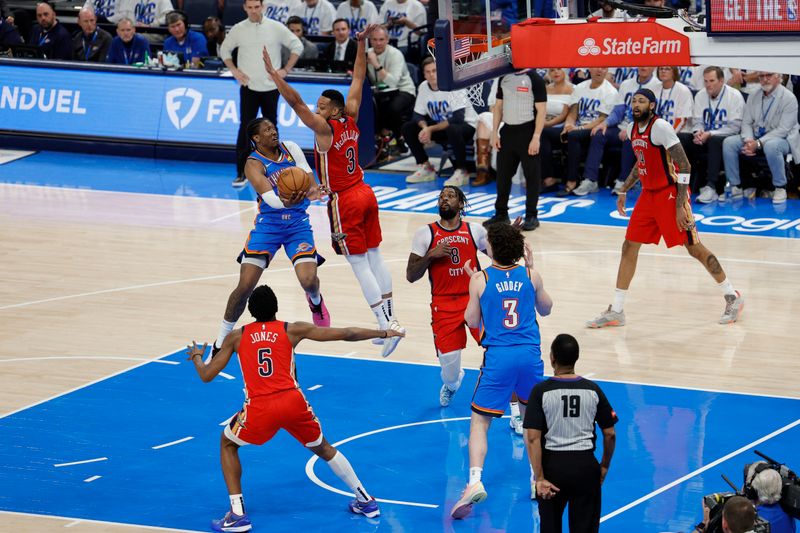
[753,16]
[542,43]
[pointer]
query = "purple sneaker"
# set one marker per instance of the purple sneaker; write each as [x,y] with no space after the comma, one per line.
[232,522]
[368,509]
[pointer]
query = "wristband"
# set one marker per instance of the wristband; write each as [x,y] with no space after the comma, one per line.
[684,179]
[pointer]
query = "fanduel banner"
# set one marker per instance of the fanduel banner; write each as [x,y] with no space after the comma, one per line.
[542,43]
[141,106]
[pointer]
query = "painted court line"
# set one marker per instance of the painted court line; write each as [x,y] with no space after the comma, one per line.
[103,522]
[315,387]
[690,475]
[90,479]
[95,460]
[173,443]
[226,376]
[98,357]
[231,215]
[74,523]
[226,422]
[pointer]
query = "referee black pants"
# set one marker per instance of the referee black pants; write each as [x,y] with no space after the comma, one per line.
[577,475]
[249,104]
[514,141]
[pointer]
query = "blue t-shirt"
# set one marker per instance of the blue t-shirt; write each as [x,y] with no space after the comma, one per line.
[508,312]
[194,45]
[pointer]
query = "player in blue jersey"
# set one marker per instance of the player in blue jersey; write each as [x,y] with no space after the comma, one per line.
[280,222]
[503,302]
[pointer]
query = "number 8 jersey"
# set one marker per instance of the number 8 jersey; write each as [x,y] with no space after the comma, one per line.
[266,357]
[508,312]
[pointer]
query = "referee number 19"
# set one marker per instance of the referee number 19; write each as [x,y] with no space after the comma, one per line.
[572,406]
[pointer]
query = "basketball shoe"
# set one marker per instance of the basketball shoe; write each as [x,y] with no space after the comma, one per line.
[515,423]
[214,351]
[607,319]
[733,308]
[390,343]
[472,494]
[369,509]
[446,393]
[232,523]
[319,313]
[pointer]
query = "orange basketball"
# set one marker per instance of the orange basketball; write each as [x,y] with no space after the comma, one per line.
[293,179]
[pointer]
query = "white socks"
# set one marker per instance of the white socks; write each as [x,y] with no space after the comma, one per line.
[315,297]
[341,467]
[381,316]
[619,300]
[237,504]
[727,288]
[451,369]
[475,474]
[388,307]
[514,409]
[224,329]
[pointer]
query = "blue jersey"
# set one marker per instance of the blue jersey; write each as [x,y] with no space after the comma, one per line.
[508,312]
[272,170]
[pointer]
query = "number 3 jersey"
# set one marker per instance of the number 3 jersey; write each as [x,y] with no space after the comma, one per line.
[508,312]
[266,357]
[338,167]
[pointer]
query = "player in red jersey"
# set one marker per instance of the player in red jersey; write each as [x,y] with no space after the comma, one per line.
[662,210]
[352,206]
[273,399]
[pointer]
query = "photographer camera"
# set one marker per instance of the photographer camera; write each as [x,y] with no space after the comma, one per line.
[729,514]
[763,485]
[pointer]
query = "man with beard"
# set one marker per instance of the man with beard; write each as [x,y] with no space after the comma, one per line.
[662,210]
[50,36]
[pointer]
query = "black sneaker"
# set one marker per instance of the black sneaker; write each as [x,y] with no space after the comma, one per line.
[531,223]
[239,182]
[214,351]
[496,220]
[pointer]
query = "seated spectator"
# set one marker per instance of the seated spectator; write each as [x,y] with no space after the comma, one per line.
[483,134]
[105,10]
[393,88]
[767,485]
[278,10]
[400,17]
[589,106]
[127,48]
[8,35]
[310,50]
[342,51]
[675,99]
[147,12]
[616,75]
[770,115]
[613,131]
[717,115]
[317,15]
[190,43]
[358,13]
[214,30]
[50,36]
[439,116]
[91,43]
[559,94]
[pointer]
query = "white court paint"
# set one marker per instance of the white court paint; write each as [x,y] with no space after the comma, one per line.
[172,443]
[95,460]
[98,357]
[226,375]
[102,522]
[315,387]
[90,479]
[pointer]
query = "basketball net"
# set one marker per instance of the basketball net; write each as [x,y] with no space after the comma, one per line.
[472,47]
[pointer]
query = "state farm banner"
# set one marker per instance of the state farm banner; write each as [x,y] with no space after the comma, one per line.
[542,43]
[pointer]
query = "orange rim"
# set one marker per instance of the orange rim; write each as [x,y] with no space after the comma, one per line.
[477,42]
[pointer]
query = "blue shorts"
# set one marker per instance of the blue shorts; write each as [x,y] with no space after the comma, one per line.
[506,369]
[270,233]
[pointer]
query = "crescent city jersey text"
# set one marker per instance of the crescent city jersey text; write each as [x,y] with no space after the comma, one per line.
[338,168]
[654,164]
[273,169]
[447,275]
[508,312]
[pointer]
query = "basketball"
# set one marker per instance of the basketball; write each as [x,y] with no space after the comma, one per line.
[293,179]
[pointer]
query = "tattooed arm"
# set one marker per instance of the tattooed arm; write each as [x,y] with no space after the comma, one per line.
[633,177]
[682,214]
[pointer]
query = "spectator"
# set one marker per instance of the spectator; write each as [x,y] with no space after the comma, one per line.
[310,50]
[439,116]
[50,36]
[400,17]
[770,115]
[105,10]
[718,111]
[483,134]
[182,40]
[318,16]
[589,106]
[91,43]
[8,34]
[147,12]
[675,99]
[257,90]
[559,94]
[393,88]
[608,11]
[214,30]
[127,48]
[738,516]
[358,13]
[616,75]
[766,486]
[342,51]
[278,10]
[614,132]
[4,12]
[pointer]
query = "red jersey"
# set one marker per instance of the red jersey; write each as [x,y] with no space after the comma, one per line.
[267,359]
[447,275]
[655,166]
[338,168]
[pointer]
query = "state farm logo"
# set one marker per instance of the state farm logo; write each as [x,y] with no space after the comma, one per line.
[589,48]
[175,101]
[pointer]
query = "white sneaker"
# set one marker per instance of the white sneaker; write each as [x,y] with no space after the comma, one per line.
[390,343]
[779,196]
[446,393]
[515,423]
[736,193]
[734,305]
[707,195]
[617,187]
[425,172]
[458,179]
[586,187]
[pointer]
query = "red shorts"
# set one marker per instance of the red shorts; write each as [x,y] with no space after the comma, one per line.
[262,417]
[447,322]
[654,217]
[355,226]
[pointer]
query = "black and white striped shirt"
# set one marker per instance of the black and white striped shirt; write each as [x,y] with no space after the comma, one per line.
[565,411]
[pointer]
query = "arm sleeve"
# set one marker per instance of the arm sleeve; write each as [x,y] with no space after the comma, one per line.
[662,134]
[298,155]
[421,241]
[605,417]
[480,236]
[421,102]
[697,114]
[788,118]
[616,115]
[394,65]
[499,93]
[199,45]
[747,120]
[230,43]
[289,40]
[534,414]
[539,88]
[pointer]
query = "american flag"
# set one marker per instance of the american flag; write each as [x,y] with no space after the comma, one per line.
[461,48]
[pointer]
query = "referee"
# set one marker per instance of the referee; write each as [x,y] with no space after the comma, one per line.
[560,436]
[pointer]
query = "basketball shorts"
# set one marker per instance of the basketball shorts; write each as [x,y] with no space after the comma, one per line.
[447,322]
[355,226]
[262,417]
[270,233]
[654,217]
[506,369]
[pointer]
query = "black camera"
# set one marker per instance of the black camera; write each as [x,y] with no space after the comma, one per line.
[716,502]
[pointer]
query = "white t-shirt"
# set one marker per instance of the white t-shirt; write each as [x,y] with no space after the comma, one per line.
[279,9]
[692,77]
[620,74]
[592,102]
[422,239]
[721,115]
[410,9]
[661,134]
[626,92]
[556,104]
[440,105]
[318,19]
[149,12]
[675,103]
[359,17]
